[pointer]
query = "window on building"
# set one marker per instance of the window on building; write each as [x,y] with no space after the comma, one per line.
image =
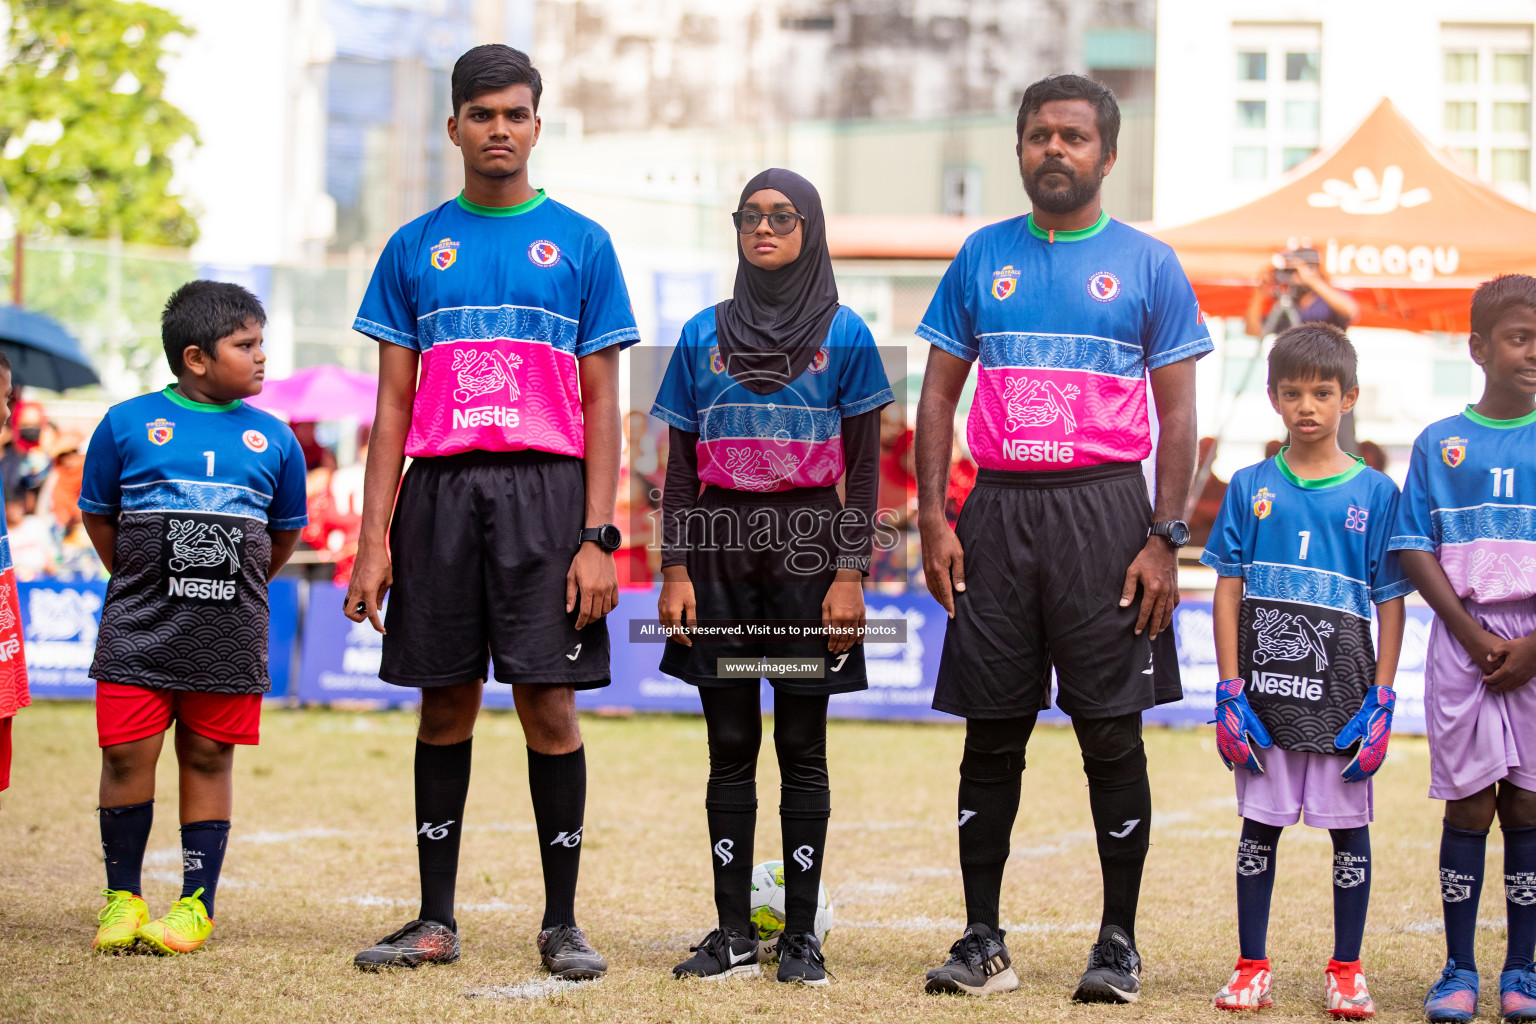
[1302,67]
[1487,100]
[1250,163]
[1250,115]
[1265,147]
[962,191]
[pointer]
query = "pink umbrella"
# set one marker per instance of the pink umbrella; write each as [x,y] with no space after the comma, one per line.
[320,393]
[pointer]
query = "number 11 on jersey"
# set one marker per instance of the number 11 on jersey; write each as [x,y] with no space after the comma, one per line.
[1507,478]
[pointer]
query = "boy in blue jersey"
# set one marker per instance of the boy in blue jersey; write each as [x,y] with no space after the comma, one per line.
[193,500]
[1466,530]
[1300,544]
[499,317]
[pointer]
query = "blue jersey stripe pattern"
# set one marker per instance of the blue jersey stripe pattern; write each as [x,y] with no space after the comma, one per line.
[197,496]
[1485,522]
[1064,352]
[783,422]
[485,323]
[1272,582]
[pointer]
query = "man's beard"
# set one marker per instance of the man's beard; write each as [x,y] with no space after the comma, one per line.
[1061,201]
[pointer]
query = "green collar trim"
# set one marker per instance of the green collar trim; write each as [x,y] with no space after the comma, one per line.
[1068,236]
[187,403]
[1483,421]
[1319,484]
[499,211]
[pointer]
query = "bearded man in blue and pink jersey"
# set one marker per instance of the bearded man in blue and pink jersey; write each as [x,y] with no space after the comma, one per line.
[1058,559]
[512,308]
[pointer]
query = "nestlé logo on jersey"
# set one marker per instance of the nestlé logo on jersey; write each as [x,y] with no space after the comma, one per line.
[1004,282]
[160,430]
[483,375]
[1103,286]
[444,254]
[544,253]
[1453,451]
[202,558]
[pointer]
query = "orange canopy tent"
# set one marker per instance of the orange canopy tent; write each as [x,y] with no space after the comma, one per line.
[1405,227]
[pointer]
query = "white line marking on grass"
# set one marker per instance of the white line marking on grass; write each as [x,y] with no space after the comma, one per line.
[377,901]
[494,907]
[954,924]
[1434,926]
[296,834]
[540,988]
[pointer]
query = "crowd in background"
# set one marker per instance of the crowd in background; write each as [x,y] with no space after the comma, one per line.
[41,466]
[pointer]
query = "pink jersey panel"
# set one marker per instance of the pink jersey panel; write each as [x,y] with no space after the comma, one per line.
[499,395]
[1027,419]
[1491,570]
[751,464]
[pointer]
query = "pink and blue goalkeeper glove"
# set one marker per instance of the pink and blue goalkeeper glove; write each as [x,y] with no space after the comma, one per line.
[1371,728]
[1238,729]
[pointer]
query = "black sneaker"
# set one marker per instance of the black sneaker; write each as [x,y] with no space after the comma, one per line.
[420,942]
[1114,970]
[723,954]
[567,954]
[800,959]
[978,965]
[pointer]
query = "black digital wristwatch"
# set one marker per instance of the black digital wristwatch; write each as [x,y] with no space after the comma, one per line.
[607,537]
[1174,531]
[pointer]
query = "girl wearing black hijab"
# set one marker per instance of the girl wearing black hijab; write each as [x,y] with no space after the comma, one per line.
[772,397]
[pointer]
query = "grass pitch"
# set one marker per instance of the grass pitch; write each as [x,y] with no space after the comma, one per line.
[322,862]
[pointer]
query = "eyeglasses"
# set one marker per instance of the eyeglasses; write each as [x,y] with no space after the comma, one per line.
[781,221]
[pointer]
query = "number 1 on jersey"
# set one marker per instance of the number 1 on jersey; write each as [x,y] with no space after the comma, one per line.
[1306,538]
[209,457]
[1507,478]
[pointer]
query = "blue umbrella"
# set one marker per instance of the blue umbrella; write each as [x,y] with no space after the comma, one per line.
[42,353]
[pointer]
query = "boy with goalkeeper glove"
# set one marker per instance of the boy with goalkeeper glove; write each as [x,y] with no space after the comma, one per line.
[1301,548]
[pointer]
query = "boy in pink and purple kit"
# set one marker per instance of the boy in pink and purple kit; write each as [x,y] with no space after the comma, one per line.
[1466,530]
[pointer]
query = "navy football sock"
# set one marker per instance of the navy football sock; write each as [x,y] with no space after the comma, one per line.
[202,858]
[558,785]
[1462,853]
[1255,886]
[1520,895]
[1351,890]
[124,835]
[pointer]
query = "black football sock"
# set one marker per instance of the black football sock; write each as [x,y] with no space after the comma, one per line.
[442,784]
[803,821]
[1520,895]
[988,805]
[732,813]
[124,835]
[1462,853]
[558,785]
[1255,886]
[1120,798]
[1351,890]
[202,858]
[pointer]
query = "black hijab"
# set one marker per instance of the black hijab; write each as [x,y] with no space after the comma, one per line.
[776,320]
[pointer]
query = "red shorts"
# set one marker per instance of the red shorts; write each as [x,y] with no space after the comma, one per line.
[5,753]
[128,713]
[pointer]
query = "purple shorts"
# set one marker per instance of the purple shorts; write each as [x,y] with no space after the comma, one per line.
[1477,737]
[1295,783]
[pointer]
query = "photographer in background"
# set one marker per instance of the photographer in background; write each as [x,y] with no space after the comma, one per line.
[1295,291]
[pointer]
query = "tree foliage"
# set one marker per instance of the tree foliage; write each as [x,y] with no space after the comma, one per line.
[86,134]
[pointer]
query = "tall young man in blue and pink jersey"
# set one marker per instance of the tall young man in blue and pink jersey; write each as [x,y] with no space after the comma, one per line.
[513,309]
[1069,312]
[1466,534]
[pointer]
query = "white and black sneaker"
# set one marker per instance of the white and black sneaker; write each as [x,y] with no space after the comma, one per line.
[1114,970]
[723,954]
[978,965]
[567,954]
[800,959]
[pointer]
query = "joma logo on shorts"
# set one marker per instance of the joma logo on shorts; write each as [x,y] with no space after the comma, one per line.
[1024,450]
[1277,685]
[484,416]
[208,590]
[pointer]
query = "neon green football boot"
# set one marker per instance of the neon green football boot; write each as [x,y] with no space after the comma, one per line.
[120,920]
[183,929]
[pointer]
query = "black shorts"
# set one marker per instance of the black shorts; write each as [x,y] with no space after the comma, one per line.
[481,543]
[1045,561]
[763,557]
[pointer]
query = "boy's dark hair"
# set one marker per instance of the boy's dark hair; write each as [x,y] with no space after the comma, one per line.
[1075,87]
[200,313]
[1315,351]
[5,361]
[1495,298]
[491,67]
